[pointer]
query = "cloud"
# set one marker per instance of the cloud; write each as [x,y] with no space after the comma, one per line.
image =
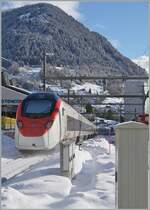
[100,26]
[115,43]
[142,61]
[70,7]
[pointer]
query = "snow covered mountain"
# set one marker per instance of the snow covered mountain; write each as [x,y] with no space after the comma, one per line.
[28,30]
[142,61]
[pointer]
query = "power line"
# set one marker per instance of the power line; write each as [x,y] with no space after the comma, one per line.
[101,96]
[99,77]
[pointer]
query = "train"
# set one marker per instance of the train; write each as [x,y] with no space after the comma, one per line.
[144,117]
[44,119]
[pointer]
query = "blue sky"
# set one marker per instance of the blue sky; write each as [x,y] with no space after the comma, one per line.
[125,24]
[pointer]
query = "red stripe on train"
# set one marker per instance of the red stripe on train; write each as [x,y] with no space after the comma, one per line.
[143,118]
[36,127]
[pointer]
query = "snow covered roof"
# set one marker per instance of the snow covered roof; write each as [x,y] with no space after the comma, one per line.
[131,124]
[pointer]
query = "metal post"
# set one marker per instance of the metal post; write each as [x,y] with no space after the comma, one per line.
[44,68]
[96,120]
[68,95]
[104,84]
[60,82]
[143,101]
[81,104]
[44,71]
[120,112]
[135,114]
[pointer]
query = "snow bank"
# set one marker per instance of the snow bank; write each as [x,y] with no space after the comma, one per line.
[42,187]
[14,162]
[53,185]
[8,148]
[14,199]
[80,158]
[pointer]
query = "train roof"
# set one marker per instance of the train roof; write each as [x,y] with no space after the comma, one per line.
[43,95]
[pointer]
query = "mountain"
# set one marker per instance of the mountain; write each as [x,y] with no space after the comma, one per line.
[142,61]
[28,30]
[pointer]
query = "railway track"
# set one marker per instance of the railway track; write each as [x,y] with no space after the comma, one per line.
[13,167]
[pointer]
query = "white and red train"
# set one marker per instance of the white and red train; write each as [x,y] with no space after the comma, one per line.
[43,120]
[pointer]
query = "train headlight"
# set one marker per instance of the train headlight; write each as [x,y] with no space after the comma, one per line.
[19,124]
[49,124]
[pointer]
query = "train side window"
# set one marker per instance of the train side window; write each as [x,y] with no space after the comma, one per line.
[63,111]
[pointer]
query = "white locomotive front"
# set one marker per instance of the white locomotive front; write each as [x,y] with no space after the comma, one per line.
[43,120]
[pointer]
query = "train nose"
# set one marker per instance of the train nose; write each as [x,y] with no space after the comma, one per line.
[33,142]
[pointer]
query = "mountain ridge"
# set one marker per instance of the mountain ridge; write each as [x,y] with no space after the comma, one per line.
[29,30]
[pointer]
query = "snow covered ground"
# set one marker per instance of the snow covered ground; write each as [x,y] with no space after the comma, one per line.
[14,162]
[114,104]
[42,187]
[87,88]
[113,100]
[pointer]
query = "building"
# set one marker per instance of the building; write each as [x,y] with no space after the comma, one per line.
[134,87]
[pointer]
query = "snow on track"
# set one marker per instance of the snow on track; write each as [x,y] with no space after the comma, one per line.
[19,165]
[15,162]
[42,187]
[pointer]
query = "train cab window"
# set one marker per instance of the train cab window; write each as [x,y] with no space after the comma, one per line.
[38,107]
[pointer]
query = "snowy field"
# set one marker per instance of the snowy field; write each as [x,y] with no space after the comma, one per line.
[42,187]
[86,87]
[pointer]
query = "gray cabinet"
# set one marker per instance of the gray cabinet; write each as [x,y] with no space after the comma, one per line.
[132,165]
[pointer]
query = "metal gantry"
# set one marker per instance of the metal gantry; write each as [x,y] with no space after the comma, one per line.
[99,77]
[101,96]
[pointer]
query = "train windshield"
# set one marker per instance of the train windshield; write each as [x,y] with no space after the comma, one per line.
[38,108]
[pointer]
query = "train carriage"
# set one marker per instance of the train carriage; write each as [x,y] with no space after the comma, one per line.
[43,120]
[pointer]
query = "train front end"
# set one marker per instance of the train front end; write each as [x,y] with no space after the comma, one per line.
[37,122]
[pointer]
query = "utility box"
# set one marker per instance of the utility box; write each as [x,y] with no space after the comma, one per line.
[132,165]
[67,157]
